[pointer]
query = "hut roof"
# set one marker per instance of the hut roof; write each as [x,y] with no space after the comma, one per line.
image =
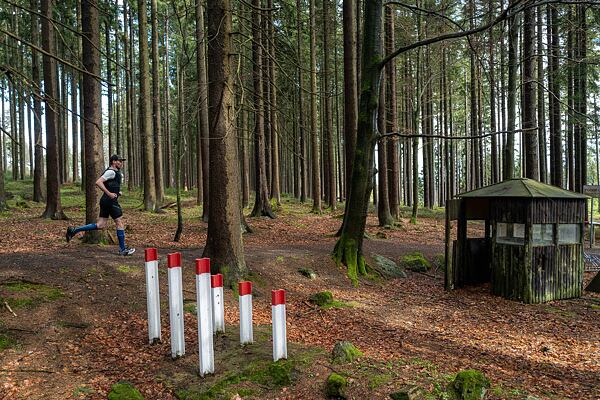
[522,187]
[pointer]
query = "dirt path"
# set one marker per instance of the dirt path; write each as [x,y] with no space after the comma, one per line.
[77,344]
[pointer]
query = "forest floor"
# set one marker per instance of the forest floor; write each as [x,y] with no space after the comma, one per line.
[78,320]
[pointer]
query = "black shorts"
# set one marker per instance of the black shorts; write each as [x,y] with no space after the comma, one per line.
[110,207]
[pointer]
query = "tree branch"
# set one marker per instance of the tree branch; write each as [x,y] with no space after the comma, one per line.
[60,60]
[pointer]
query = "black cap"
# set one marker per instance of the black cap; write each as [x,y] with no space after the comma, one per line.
[116,157]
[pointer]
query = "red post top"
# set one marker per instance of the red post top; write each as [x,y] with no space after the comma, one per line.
[202,266]
[151,254]
[174,260]
[216,280]
[245,288]
[277,297]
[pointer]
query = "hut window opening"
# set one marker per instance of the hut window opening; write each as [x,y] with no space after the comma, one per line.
[543,234]
[569,234]
[476,229]
[509,233]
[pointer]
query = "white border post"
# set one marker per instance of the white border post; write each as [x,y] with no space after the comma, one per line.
[218,303]
[278,322]
[176,305]
[246,333]
[205,313]
[152,295]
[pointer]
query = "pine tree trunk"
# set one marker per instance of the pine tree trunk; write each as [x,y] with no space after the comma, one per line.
[570,99]
[224,238]
[168,149]
[302,132]
[90,24]
[556,167]
[203,111]
[383,203]
[273,109]
[529,96]
[156,106]
[329,153]
[38,169]
[316,172]
[53,205]
[348,249]
[391,119]
[509,149]
[262,205]
[350,89]
[580,98]
[541,101]
[150,203]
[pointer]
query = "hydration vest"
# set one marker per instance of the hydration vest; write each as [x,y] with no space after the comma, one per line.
[113,185]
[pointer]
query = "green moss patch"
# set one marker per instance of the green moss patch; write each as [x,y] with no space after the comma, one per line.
[243,371]
[469,385]
[124,391]
[19,294]
[268,375]
[325,300]
[415,262]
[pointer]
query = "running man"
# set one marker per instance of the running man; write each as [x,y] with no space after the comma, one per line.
[110,184]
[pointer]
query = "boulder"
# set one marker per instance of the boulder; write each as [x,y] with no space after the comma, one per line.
[386,267]
[408,392]
[469,385]
[344,352]
[307,272]
[335,387]
[415,262]
[322,298]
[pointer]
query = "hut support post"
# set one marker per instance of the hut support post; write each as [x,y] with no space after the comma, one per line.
[448,282]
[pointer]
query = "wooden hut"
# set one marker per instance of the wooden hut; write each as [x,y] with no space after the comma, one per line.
[523,236]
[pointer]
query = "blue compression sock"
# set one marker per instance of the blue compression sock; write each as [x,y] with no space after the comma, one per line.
[121,237]
[88,227]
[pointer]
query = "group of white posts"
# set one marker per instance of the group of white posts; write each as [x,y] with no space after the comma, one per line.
[210,310]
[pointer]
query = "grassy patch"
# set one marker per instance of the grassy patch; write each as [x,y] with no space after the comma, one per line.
[128,269]
[377,380]
[83,391]
[190,308]
[20,294]
[6,342]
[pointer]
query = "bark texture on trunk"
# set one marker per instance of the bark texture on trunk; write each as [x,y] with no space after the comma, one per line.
[224,238]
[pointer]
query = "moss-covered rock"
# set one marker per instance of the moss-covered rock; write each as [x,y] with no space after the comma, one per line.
[335,387]
[344,352]
[469,385]
[386,267]
[407,392]
[124,391]
[322,298]
[307,272]
[415,262]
